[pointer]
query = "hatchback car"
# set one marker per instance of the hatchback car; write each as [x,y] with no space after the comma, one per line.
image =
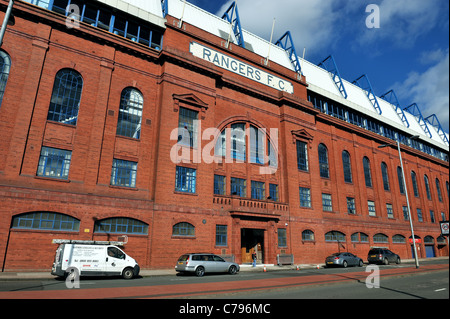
[344,260]
[382,256]
[205,263]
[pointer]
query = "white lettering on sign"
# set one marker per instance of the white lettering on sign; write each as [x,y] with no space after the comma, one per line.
[231,64]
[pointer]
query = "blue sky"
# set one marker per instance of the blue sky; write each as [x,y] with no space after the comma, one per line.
[409,53]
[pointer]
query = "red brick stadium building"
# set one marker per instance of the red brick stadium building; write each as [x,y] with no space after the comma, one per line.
[144,119]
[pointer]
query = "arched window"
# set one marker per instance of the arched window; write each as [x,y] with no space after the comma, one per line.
[398,239]
[384,173]
[308,235]
[427,186]
[66,96]
[5,67]
[367,172]
[121,225]
[347,167]
[335,236]
[380,238]
[401,184]
[46,221]
[183,229]
[237,139]
[414,183]
[323,161]
[360,237]
[130,113]
[438,189]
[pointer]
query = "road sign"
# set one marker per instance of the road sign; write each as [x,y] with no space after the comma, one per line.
[445,228]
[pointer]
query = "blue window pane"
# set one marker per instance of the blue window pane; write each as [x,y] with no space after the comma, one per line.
[238,187]
[258,190]
[46,221]
[66,96]
[124,173]
[54,163]
[185,179]
[121,225]
[221,235]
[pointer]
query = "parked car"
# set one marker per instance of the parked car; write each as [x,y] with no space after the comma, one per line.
[344,260]
[205,263]
[382,256]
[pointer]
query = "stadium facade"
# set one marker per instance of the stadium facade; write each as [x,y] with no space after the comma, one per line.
[162,122]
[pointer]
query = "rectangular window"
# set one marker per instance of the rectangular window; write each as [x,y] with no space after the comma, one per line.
[258,190]
[305,197]
[238,145]
[124,173]
[238,187]
[405,213]
[302,156]
[419,215]
[257,151]
[187,127]
[371,205]
[221,235]
[54,163]
[185,179]
[432,219]
[390,211]
[219,185]
[282,239]
[327,203]
[351,208]
[273,192]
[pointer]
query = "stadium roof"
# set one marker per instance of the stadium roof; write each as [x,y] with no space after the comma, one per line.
[356,96]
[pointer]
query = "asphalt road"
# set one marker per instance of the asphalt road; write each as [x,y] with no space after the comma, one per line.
[396,281]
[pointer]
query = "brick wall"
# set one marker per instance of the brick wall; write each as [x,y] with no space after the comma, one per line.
[168,80]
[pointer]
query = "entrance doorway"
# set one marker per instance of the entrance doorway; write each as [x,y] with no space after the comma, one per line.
[252,241]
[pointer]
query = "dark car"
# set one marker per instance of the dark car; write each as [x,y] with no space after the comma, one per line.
[344,260]
[382,256]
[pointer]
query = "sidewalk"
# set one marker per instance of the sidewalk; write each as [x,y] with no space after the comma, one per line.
[168,272]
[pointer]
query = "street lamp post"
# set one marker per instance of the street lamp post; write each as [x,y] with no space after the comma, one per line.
[407,198]
[6,21]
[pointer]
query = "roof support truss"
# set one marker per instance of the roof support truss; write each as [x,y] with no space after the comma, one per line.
[364,83]
[330,65]
[232,16]
[165,7]
[414,110]
[391,98]
[287,44]
[434,121]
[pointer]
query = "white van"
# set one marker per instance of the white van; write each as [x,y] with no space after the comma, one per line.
[93,258]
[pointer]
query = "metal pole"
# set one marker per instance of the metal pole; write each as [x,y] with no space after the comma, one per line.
[407,203]
[5,21]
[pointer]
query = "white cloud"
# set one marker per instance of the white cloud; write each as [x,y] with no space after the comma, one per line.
[312,23]
[430,90]
[403,22]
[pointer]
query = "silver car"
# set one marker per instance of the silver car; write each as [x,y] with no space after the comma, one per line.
[205,263]
[344,260]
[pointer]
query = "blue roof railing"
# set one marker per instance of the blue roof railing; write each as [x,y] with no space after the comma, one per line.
[330,65]
[286,43]
[414,110]
[434,121]
[391,98]
[232,16]
[364,83]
